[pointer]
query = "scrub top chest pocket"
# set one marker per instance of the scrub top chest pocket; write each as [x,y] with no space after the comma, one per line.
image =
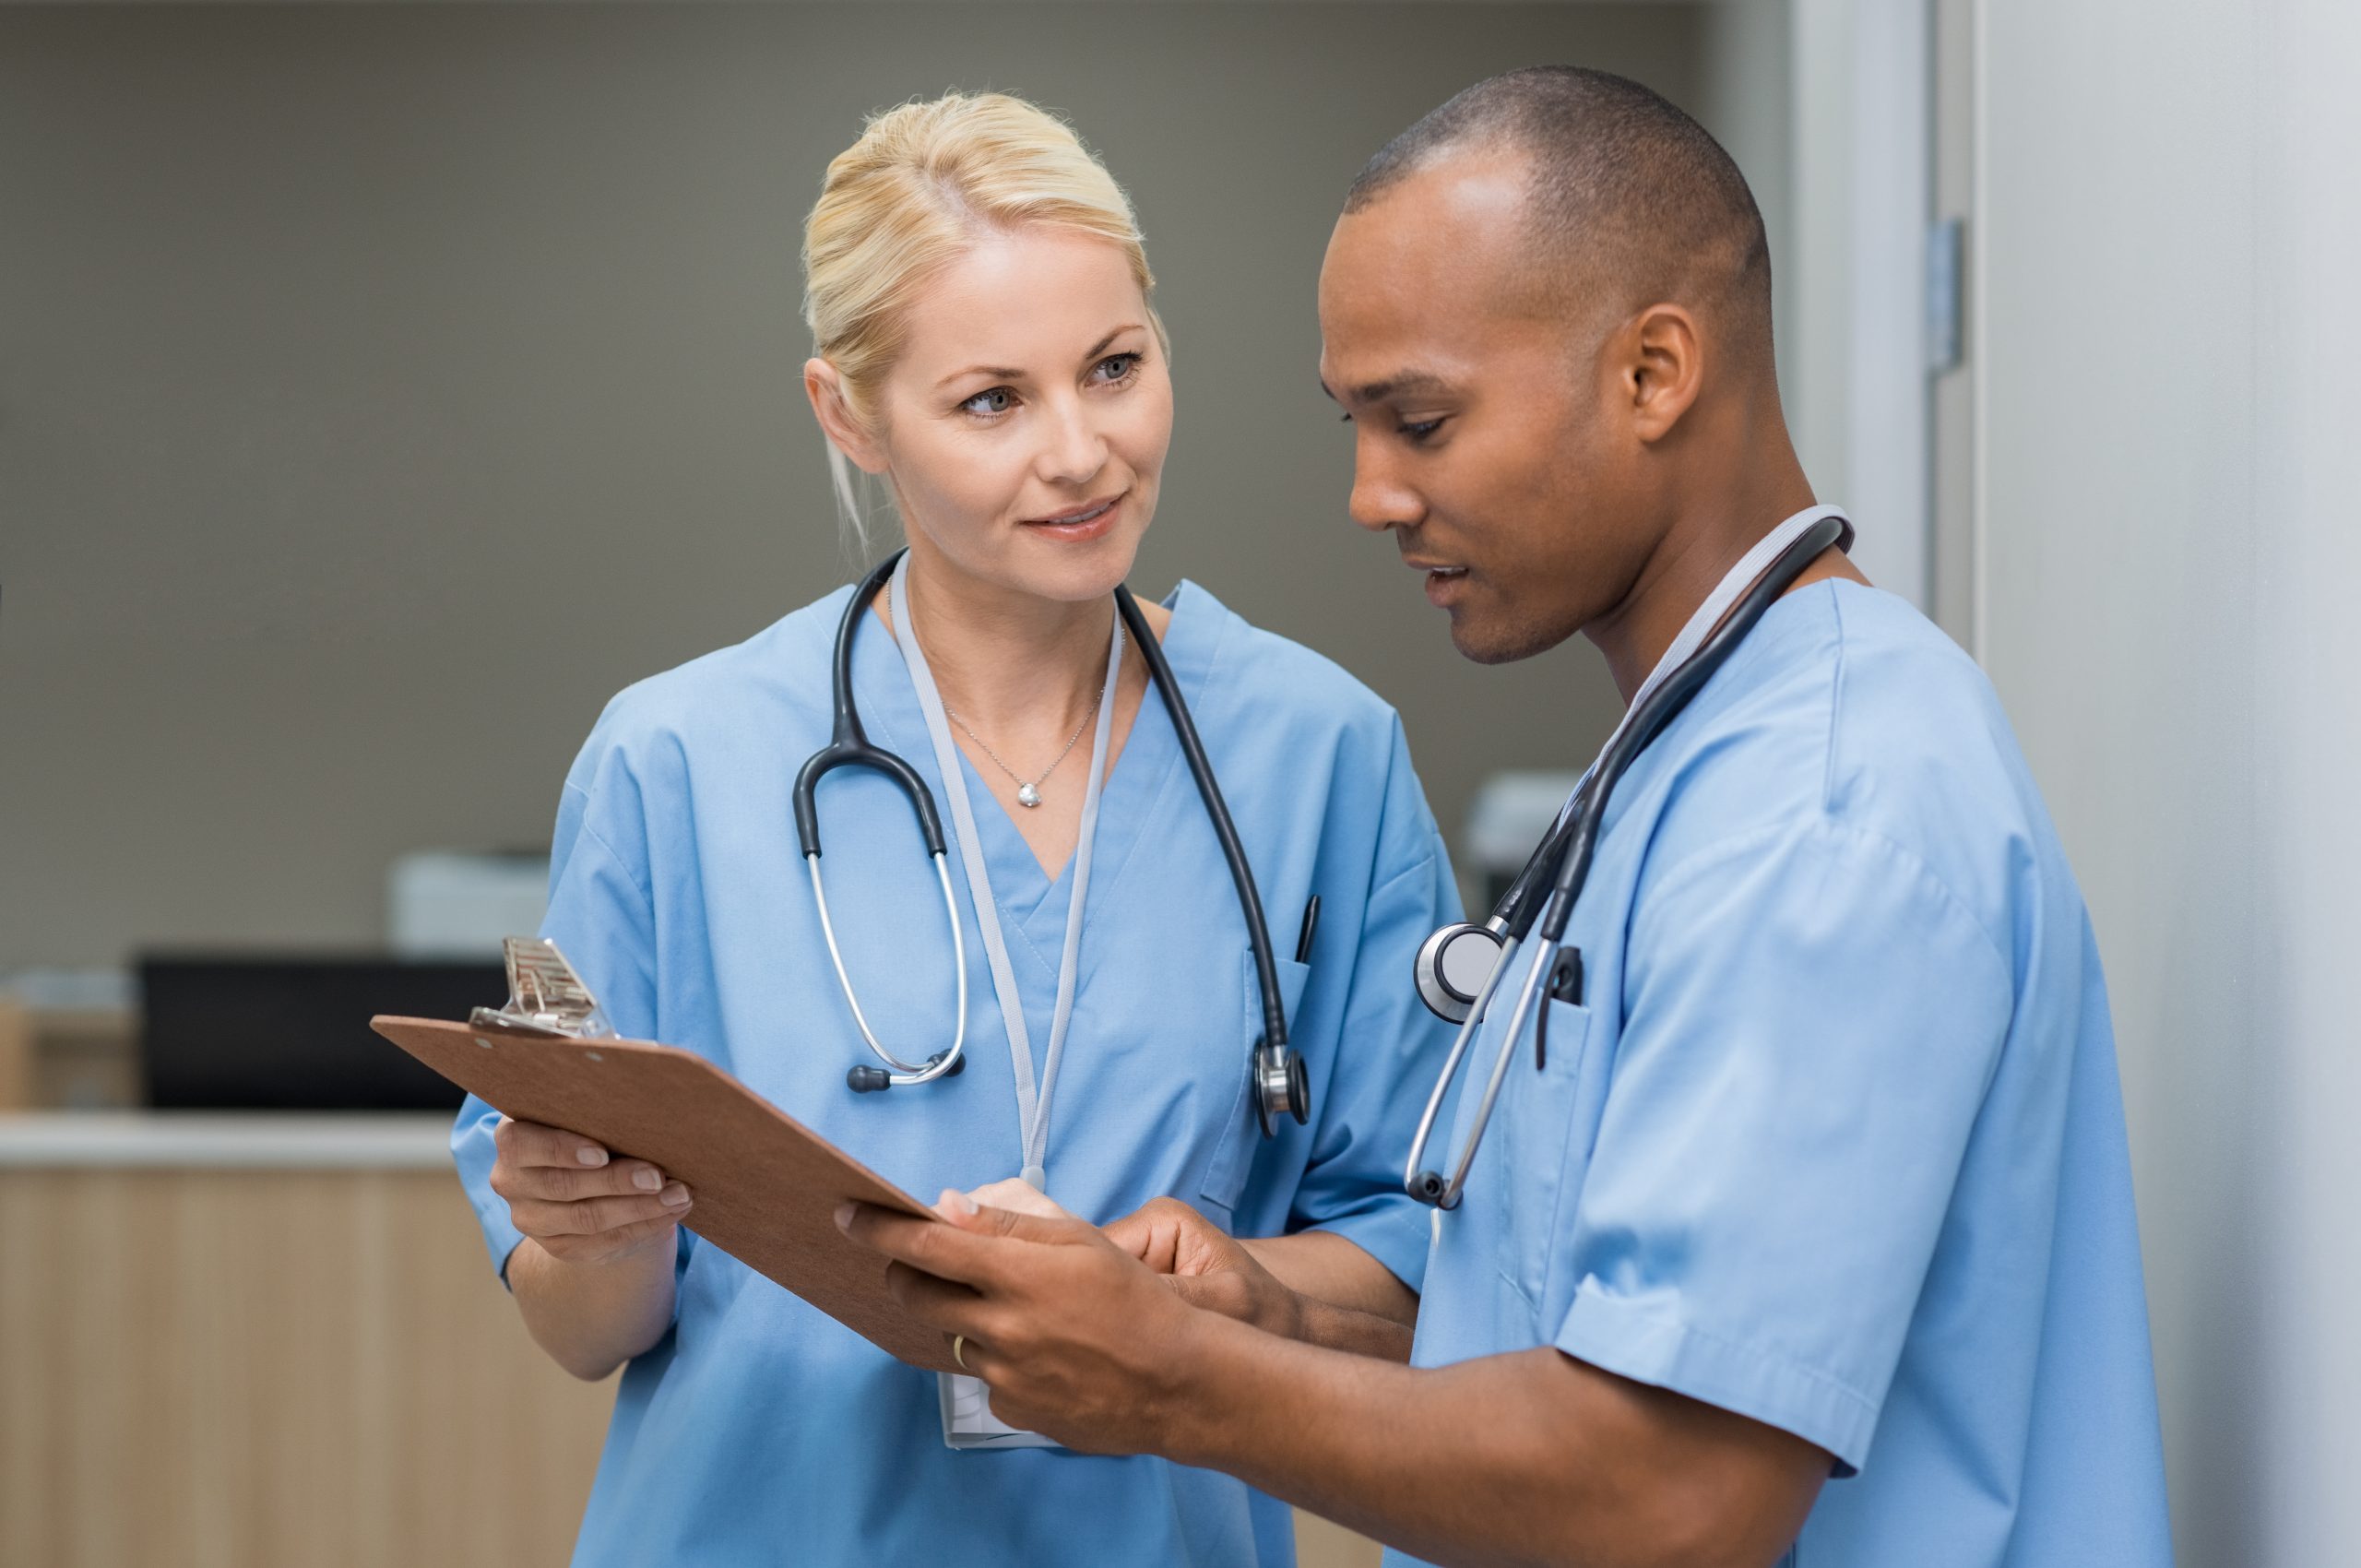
[1547,1118]
[1238,1136]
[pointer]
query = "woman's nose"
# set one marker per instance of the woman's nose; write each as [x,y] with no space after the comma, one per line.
[1073,448]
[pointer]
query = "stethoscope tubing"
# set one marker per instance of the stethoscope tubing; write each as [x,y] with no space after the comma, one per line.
[941,1062]
[848,746]
[1423,1184]
[1233,853]
[1273,1061]
[1572,843]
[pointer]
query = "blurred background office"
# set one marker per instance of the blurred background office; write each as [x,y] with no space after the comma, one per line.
[383,386]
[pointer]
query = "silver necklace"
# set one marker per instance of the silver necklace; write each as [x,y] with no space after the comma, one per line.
[1028,791]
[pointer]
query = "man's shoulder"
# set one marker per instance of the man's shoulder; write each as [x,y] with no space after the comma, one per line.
[1857,715]
[1919,749]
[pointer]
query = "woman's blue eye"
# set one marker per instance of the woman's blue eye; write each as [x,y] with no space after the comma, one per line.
[999,400]
[1116,367]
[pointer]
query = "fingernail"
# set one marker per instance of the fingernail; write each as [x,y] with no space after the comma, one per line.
[592,1156]
[843,1216]
[676,1196]
[646,1180]
[956,1201]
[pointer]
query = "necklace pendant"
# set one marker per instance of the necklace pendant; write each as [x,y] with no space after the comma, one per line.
[1027,796]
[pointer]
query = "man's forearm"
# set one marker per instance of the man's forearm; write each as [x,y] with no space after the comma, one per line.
[1345,1299]
[1327,1267]
[1353,1438]
[1523,1458]
[1357,1334]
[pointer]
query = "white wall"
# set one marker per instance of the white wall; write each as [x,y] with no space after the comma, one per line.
[2168,340]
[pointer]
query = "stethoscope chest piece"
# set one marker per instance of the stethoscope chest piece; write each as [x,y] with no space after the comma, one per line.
[1452,966]
[1281,1087]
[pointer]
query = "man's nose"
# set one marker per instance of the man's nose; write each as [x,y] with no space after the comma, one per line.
[1380,500]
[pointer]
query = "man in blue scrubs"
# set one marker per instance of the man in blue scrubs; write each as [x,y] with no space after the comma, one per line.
[1811,1240]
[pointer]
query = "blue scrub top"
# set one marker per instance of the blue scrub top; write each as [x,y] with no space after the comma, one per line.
[1835,1140]
[760,1431]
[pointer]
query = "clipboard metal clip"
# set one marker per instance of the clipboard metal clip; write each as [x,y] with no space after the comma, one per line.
[544,995]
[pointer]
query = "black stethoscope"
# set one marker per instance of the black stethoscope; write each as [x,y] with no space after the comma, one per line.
[1459,967]
[1279,1082]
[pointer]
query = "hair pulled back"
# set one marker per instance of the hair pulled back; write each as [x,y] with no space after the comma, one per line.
[925,182]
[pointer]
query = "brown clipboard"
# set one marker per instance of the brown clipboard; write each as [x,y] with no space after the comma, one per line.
[767,1187]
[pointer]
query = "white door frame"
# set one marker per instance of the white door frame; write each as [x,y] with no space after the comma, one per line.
[1859,387]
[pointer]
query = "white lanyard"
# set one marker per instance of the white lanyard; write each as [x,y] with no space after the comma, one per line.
[1032,1104]
[1702,622]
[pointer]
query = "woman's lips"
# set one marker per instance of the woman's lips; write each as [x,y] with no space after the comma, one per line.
[1079,523]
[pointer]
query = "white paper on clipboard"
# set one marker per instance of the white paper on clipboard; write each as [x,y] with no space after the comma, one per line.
[969,1421]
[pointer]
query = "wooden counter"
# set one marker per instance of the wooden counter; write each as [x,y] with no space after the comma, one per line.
[261,1341]
[275,1342]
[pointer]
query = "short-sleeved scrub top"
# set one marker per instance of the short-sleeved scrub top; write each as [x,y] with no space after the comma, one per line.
[1834,1139]
[759,1431]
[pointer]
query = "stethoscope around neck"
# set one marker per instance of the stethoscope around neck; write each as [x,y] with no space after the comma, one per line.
[1459,966]
[1279,1084]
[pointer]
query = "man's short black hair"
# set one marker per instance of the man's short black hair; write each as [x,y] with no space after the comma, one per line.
[1629,194]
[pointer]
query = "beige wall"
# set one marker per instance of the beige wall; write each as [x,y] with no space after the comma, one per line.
[383,387]
[2168,554]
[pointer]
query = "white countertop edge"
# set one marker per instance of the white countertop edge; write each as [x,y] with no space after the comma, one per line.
[225,1141]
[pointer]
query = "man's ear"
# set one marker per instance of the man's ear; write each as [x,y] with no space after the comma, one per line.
[1663,369]
[826,388]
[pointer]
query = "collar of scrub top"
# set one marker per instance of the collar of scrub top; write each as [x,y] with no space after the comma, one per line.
[1563,874]
[1456,963]
[1032,1099]
[1693,633]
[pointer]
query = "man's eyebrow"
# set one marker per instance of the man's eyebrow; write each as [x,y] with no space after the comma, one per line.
[1006,372]
[1395,385]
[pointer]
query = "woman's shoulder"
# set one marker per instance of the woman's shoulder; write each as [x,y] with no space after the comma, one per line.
[773,682]
[1273,676]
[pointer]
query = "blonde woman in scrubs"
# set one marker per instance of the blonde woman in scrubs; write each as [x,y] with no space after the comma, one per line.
[985,344]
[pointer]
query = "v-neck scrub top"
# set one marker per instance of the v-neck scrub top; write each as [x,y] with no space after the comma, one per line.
[760,1431]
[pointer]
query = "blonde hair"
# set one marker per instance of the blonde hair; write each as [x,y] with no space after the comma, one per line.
[922,183]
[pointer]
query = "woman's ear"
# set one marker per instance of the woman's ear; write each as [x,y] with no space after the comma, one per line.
[827,390]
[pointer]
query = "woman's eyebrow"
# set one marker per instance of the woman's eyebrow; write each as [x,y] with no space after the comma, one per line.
[1100,347]
[1008,372]
[998,372]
